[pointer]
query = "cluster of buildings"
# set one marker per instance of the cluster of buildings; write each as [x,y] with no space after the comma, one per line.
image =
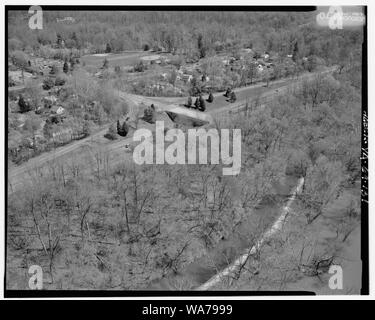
[43,66]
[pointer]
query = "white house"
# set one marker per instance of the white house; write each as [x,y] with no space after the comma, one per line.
[187,77]
[247,50]
[265,56]
[57,110]
[205,78]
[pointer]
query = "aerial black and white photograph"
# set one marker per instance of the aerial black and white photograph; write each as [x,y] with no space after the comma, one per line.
[186,149]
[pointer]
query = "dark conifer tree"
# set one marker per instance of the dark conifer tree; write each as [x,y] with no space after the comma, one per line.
[66,67]
[227,93]
[118,126]
[125,129]
[196,103]
[202,104]
[24,105]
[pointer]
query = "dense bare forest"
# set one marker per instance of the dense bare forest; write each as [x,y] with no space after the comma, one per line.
[189,33]
[94,220]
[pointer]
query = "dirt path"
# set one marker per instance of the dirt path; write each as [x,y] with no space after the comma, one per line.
[238,263]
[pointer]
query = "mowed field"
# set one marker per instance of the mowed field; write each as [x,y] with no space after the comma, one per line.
[119,59]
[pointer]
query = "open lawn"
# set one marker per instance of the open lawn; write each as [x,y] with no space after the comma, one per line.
[120,59]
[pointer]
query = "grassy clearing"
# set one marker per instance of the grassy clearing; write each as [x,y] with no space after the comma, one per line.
[120,59]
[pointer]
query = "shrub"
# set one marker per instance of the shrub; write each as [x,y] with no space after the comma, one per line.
[60,80]
[14,44]
[195,86]
[228,92]
[11,82]
[66,67]
[118,70]
[233,97]
[123,129]
[48,84]
[20,59]
[202,104]
[210,97]
[139,67]
[176,61]
[197,103]
[149,114]
[110,136]
[54,69]
[24,105]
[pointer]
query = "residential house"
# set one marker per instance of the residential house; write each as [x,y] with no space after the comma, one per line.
[57,110]
[266,56]
[187,77]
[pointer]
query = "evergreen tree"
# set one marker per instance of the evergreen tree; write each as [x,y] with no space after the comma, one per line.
[149,114]
[108,48]
[118,70]
[66,67]
[295,52]
[201,47]
[227,93]
[146,47]
[210,97]
[196,103]
[23,104]
[118,127]
[202,104]
[125,129]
